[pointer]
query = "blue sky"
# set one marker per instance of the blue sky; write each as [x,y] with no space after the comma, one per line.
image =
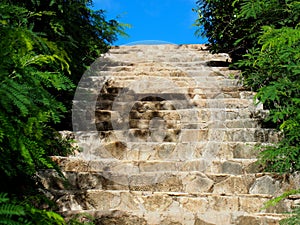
[162,20]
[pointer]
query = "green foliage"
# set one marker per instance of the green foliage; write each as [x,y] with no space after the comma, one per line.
[294,217]
[217,21]
[9,210]
[45,47]
[275,201]
[79,34]
[31,68]
[13,212]
[274,72]
[234,26]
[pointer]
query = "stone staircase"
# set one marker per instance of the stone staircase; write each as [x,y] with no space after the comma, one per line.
[168,136]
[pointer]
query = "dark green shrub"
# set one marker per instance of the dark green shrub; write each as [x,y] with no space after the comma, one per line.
[45,47]
[234,26]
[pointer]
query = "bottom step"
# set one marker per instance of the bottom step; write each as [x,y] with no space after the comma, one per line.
[148,202]
[117,217]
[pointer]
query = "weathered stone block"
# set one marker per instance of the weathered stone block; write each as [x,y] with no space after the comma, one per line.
[231,168]
[252,204]
[265,185]
[195,205]
[197,183]
[224,203]
[234,185]
[157,202]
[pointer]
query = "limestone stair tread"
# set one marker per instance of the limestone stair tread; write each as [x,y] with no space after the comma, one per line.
[178,98]
[108,124]
[183,182]
[175,124]
[204,114]
[168,201]
[191,135]
[191,68]
[169,218]
[208,94]
[195,78]
[231,166]
[174,74]
[217,94]
[172,150]
[169,57]
[201,111]
[204,94]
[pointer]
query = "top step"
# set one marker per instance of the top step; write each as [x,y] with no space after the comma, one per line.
[164,53]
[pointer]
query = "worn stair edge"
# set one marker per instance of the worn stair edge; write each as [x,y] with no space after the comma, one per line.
[167,201]
[93,163]
[189,182]
[119,217]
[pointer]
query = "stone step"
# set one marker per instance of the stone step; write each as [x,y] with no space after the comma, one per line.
[168,56]
[166,59]
[114,87]
[188,182]
[156,66]
[160,134]
[150,102]
[105,125]
[205,64]
[198,68]
[91,162]
[102,125]
[166,53]
[199,79]
[146,83]
[166,95]
[124,49]
[175,59]
[166,83]
[192,115]
[191,91]
[211,97]
[172,73]
[168,150]
[163,50]
[162,98]
[147,202]
[184,115]
[119,217]
[128,71]
[89,119]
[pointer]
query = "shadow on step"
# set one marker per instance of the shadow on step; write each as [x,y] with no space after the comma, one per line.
[215,63]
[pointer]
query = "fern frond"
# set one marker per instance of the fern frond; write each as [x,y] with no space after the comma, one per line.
[249,9]
[279,38]
[15,95]
[10,210]
[3,198]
